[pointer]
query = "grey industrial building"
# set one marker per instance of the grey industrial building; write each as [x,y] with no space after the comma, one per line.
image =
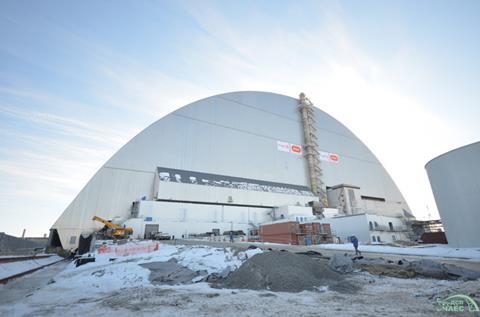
[233,161]
[455,180]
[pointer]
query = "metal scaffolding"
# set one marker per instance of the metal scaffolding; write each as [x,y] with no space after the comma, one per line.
[312,154]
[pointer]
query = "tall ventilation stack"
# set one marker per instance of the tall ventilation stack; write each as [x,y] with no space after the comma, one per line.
[312,155]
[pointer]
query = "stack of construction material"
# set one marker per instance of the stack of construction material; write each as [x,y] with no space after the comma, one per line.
[326,233]
[434,237]
[280,232]
[325,229]
[314,233]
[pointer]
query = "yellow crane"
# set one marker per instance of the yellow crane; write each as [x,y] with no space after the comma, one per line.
[113,231]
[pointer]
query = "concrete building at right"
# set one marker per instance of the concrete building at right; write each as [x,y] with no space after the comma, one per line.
[455,180]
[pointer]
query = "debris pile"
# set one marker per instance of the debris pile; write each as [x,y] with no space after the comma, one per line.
[409,269]
[429,268]
[171,273]
[341,263]
[195,264]
[286,272]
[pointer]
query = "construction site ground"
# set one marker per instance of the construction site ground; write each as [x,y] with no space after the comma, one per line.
[469,263]
[123,287]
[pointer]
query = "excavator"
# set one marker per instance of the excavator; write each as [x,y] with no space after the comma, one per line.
[111,230]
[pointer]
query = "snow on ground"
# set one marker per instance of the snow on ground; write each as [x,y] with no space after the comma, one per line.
[423,250]
[210,259]
[380,297]
[121,287]
[109,272]
[12,268]
[251,252]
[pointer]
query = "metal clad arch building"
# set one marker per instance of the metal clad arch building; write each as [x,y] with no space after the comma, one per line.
[237,136]
[455,180]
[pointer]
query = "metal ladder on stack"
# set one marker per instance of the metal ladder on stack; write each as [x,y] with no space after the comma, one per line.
[312,154]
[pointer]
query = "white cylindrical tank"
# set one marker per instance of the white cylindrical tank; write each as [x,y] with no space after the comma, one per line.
[455,180]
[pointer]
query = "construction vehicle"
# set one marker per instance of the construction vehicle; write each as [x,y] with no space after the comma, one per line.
[159,236]
[111,230]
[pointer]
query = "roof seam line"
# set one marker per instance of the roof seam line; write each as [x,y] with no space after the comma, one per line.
[260,135]
[282,116]
[128,169]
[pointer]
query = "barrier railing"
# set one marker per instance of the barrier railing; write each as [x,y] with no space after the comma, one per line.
[128,249]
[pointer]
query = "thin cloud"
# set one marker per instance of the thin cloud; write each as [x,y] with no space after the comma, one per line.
[343,80]
[65,125]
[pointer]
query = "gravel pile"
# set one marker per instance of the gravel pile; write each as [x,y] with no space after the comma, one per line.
[286,272]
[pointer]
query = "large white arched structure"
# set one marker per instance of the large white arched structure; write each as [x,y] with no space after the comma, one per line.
[226,162]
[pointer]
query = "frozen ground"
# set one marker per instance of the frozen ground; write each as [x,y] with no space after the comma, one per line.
[424,250]
[121,288]
[443,251]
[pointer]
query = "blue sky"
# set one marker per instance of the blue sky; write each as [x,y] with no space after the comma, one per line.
[79,79]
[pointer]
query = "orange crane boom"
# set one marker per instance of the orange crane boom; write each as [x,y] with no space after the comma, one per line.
[112,230]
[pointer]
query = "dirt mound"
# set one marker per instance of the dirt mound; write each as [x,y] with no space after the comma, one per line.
[285,272]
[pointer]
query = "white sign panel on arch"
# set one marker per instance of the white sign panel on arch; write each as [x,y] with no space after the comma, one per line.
[289,147]
[329,157]
[283,146]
